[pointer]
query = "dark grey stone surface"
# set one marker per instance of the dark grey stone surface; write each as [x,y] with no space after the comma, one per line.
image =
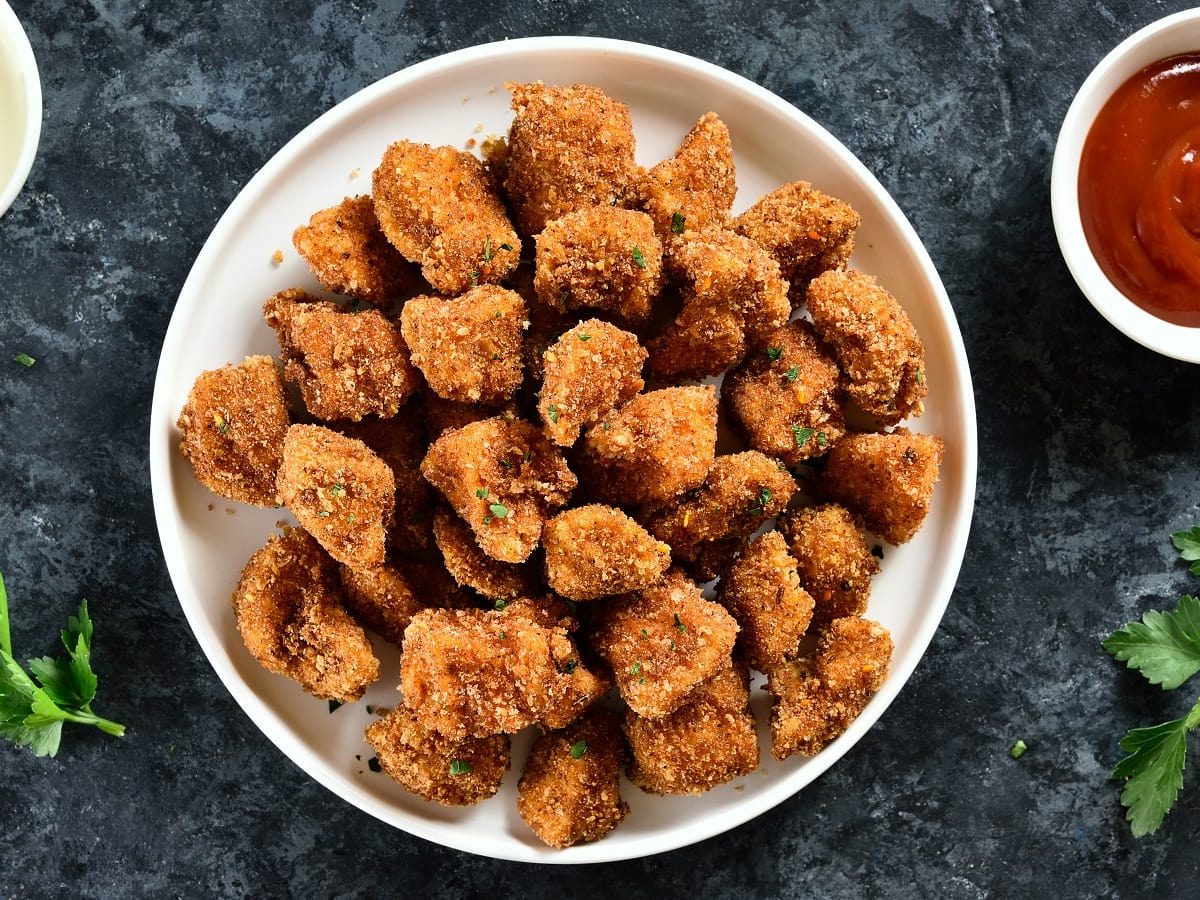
[157,113]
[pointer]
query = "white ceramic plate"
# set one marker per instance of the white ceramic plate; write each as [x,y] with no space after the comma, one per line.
[206,540]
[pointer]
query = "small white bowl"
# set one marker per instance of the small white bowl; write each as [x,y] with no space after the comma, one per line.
[1167,37]
[17,55]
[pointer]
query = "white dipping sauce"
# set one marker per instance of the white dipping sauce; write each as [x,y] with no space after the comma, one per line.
[12,109]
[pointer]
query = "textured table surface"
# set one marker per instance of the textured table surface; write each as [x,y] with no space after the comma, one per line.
[156,114]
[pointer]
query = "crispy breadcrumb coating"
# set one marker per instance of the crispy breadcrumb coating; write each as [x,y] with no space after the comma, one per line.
[733,298]
[233,426]
[887,479]
[588,372]
[469,347]
[817,697]
[600,258]
[341,492]
[833,560]
[880,353]
[663,642]
[349,254]
[656,447]
[381,599]
[694,189]
[568,148]
[504,478]
[762,592]
[437,206]
[440,415]
[570,791]
[432,585]
[741,492]
[453,773]
[711,559]
[476,673]
[546,325]
[807,232]
[709,741]
[594,551]
[474,569]
[290,613]
[347,365]
[787,398]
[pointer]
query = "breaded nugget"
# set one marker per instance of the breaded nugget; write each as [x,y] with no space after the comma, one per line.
[476,673]
[711,559]
[471,567]
[290,613]
[382,599]
[348,253]
[741,492]
[347,365]
[570,791]
[588,372]
[594,551]
[341,492]
[817,697]
[656,447]
[545,610]
[807,232]
[787,399]
[437,206]
[469,347]
[833,560]
[600,258]
[504,478]
[762,592]
[709,741]
[694,189]
[663,642]
[880,353]
[454,773]
[887,479]
[568,148]
[733,298]
[233,426]
[400,442]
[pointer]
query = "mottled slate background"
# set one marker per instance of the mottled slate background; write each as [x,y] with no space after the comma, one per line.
[157,113]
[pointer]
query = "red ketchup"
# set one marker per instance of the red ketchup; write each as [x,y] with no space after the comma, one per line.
[1139,189]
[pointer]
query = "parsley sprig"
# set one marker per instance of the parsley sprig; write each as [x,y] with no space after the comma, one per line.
[33,709]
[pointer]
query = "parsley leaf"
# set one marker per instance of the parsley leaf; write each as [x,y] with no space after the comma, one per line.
[481,493]
[578,749]
[460,767]
[1164,646]
[677,222]
[552,413]
[638,259]
[773,353]
[1188,545]
[499,510]
[1153,770]
[791,374]
[802,435]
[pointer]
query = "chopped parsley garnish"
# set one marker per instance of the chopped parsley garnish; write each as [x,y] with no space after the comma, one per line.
[636,669]
[481,493]
[1188,544]
[352,518]
[645,634]
[499,510]
[578,749]
[791,374]
[499,605]
[324,514]
[679,624]
[506,463]
[474,278]
[338,490]
[569,667]
[584,337]
[638,259]
[506,246]
[921,380]
[24,359]
[802,435]
[334,705]
[487,250]
[552,412]
[762,502]
[1018,749]
[677,222]
[822,440]
[773,353]
[221,422]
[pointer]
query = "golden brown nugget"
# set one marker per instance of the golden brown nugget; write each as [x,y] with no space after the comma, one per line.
[880,353]
[817,697]
[595,551]
[347,365]
[339,491]
[472,673]
[570,791]
[787,398]
[568,148]
[233,426]
[888,479]
[656,447]
[733,298]
[588,372]
[504,478]
[471,567]
[762,592]
[453,773]
[663,642]
[833,560]
[694,189]
[600,258]
[290,614]
[806,231]
[382,599]
[741,492]
[348,253]
[436,205]
[469,347]
[708,741]
[545,610]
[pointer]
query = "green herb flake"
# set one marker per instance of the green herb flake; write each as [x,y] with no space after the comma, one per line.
[460,767]
[679,624]
[569,668]
[802,435]
[552,413]
[24,359]
[791,374]
[499,510]
[507,464]
[773,353]
[221,422]
[481,493]
[352,518]
[474,278]
[506,246]
[636,669]
[1018,749]
[338,490]
[578,749]
[584,337]
[762,502]
[677,222]
[822,440]
[1187,542]
[499,605]
[638,259]
[487,250]
[921,380]
[324,514]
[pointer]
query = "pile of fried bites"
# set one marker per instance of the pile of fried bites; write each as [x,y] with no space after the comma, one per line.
[482,477]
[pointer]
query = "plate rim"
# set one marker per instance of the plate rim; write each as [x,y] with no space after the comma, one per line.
[272,726]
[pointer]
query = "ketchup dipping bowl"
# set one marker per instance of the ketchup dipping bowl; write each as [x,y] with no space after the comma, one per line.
[1176,35]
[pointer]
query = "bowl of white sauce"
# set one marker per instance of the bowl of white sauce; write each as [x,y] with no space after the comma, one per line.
[20,106]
